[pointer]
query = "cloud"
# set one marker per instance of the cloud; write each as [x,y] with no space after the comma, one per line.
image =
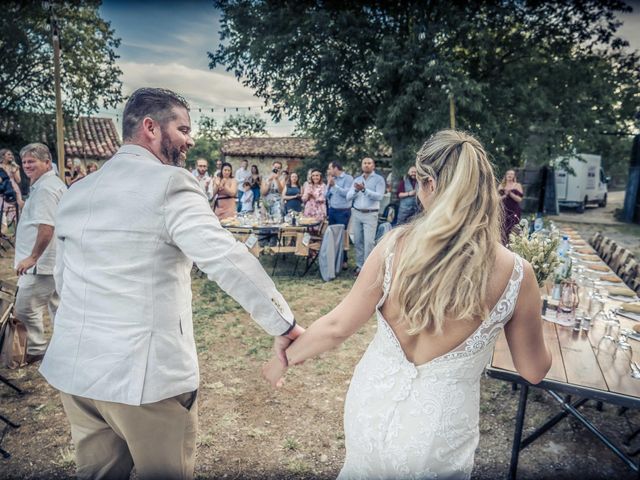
[207,88]
[204,89]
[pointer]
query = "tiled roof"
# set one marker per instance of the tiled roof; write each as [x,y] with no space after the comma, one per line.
[290,147]
[98,135]
[92,138]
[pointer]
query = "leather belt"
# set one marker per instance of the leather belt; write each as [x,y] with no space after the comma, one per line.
[367,210]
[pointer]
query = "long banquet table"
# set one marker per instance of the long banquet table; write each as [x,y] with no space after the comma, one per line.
[579,373]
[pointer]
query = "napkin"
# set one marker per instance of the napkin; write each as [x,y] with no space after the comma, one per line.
[610,279]
[621,292]
[599,268]
[631,307]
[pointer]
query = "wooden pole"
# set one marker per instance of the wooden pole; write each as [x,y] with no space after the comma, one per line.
[452,112]
[59,121]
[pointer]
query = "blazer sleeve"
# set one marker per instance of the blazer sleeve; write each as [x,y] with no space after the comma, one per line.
[196,231]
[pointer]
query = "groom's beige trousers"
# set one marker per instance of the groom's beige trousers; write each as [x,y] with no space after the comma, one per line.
[159,438]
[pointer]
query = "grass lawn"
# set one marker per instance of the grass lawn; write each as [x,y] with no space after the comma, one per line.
[248,430]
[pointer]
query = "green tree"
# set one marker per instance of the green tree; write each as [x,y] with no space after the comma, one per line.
[206,142]
[243,126]
[210,135]
[533,80]
[90,77]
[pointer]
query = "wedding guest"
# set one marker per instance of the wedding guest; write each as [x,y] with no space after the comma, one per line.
[246,203]
[242,175]
[272,188]
[10,185]
[78,173]
[92,167]
[224,188]
[314,197]
[511,194]
[12,169]
[123,354]
[308,179]
[407,189]
[339,182]
[366,192]
[35,253]
[292,195]
[442,289]
[218,168]
[202,175]
[255,181]
[68,172]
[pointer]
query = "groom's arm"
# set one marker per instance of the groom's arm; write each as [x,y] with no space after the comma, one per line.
[194,228]
[336,326]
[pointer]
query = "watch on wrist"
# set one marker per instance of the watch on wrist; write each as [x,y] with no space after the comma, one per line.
[291,327]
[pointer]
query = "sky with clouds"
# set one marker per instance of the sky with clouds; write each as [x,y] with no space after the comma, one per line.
[165,44]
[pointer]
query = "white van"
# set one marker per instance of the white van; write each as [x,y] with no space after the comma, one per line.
[588,185]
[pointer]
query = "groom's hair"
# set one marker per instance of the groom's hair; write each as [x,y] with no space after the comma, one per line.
[157,103]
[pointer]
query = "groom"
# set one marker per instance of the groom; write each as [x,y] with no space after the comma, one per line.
[123,353]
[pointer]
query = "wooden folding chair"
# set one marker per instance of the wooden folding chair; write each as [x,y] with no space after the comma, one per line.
[609,252]
[242,234]
[288,239]
[620,260]
[604,246]
[7,301]
[313,248]
[630,272]
[596,240]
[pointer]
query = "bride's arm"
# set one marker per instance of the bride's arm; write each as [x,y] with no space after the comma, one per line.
[343,321]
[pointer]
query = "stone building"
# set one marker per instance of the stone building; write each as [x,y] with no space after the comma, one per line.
[262,151]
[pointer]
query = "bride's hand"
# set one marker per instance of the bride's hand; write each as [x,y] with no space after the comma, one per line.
[273,371]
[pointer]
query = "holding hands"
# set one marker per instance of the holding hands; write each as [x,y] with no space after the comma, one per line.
[276,368]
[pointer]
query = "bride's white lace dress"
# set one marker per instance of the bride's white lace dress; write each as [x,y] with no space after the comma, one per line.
[404,421]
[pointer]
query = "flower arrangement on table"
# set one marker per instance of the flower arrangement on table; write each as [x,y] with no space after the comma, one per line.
[539,250]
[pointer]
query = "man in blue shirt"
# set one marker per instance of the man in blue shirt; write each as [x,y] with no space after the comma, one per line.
[366,192]
[339,207]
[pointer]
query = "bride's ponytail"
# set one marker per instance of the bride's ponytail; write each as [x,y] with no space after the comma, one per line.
[449,249]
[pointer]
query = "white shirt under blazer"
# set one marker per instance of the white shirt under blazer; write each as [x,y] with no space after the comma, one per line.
[127,238]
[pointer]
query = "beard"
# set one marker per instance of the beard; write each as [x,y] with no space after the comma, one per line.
[170,152]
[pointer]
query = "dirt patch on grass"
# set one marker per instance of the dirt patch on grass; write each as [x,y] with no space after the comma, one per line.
[248,430]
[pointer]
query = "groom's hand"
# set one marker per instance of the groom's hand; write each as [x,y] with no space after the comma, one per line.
[280,344]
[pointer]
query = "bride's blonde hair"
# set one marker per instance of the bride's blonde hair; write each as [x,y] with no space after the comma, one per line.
[449,250]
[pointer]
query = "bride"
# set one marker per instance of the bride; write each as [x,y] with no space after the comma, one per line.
[442,288]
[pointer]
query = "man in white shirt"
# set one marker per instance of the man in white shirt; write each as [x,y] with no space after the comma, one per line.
[35,252]
[123,351]
[201,174]
[243,174]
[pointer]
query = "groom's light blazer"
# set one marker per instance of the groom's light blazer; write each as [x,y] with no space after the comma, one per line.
[127,236]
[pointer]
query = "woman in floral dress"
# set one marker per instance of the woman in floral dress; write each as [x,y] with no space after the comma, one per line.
[314,196]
